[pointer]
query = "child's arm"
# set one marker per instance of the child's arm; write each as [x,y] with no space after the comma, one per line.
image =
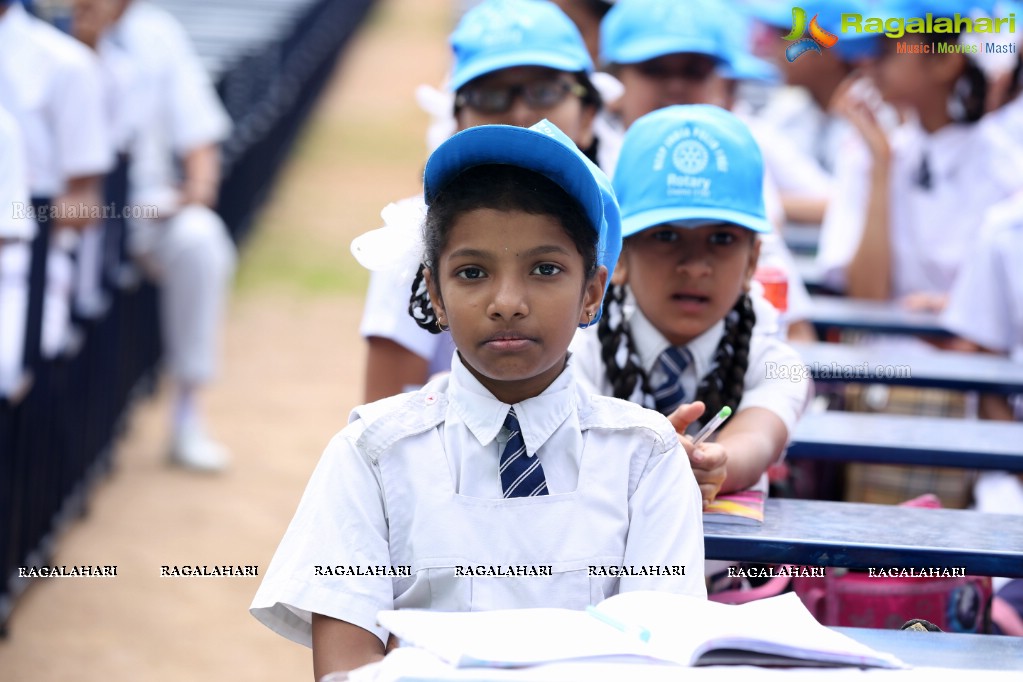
[869,273]
[753,440]
[340,646]
[666,525]
[390,368]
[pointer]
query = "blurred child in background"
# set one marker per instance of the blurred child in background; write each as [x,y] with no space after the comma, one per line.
[515,62]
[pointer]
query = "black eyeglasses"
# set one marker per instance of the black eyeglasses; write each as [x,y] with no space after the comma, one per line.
[498,100]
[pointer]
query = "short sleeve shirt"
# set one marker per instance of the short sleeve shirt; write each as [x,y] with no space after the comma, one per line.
[14,224]
[986,302]
[776,378]
[52,85]
[413,480]
[931,230]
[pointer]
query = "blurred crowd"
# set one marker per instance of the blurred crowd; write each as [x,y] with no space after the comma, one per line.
[109,138]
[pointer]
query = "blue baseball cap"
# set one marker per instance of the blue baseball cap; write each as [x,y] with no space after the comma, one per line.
[544,149]
[850,46]
[501,34]
[635,31]
[938,8]
[690,162]
[742,64]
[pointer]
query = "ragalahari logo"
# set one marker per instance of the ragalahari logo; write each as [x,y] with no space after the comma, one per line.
[800,45]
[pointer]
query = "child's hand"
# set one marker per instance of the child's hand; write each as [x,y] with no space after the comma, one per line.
[925,301]
[852,100]
[709,465]
[684,415]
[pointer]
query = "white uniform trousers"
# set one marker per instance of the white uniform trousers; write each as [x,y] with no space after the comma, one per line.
[192,257]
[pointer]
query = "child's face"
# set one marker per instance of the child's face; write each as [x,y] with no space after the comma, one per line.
[512,288]
[566,110]
[682,78]
[685,279]
[912,79]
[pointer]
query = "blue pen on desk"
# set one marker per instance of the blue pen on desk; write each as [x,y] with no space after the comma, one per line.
[712,425]
[633,630]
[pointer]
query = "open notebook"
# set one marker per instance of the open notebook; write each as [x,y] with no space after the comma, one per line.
[652,626]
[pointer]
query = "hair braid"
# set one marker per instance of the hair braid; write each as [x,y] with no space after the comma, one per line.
[970,93]
[419,305]
[617,349]
[724,384]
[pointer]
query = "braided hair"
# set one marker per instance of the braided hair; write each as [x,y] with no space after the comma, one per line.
[969,92]
[723,385]
[500,187]
[618,350]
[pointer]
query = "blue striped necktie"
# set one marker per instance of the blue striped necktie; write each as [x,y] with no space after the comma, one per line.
[521,476]
[669,394]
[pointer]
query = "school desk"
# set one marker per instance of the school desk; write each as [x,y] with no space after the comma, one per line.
[810,273]
[908,439]
[880,317]
[951,370]
[802,238]
[863,536]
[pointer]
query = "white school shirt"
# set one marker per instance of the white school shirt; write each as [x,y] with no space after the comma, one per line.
[931,231]
[1009,119]
[13,183]
[811,133]
[986,303]
[413,481]
[776,378]
[51,84]
[122,82]
[385,313]
[986,307]
[179,109]
[386,316]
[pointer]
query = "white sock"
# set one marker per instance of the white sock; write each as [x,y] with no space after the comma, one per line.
[186,411]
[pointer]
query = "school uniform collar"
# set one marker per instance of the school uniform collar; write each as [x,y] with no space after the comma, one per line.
[483,414]
[650,343]
[946,149]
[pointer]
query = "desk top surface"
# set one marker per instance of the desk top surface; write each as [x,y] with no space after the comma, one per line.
[882,317]
[863,536]
[902,439]
[928,368]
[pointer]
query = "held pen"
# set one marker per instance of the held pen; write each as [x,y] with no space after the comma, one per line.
[712,425]
[633,630]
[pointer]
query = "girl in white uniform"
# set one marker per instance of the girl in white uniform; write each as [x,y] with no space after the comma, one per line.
[423,489]
[515,62]
[667,53]
[910,206]
[678,323]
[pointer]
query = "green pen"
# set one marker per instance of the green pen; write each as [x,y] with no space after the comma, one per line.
[712,425]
